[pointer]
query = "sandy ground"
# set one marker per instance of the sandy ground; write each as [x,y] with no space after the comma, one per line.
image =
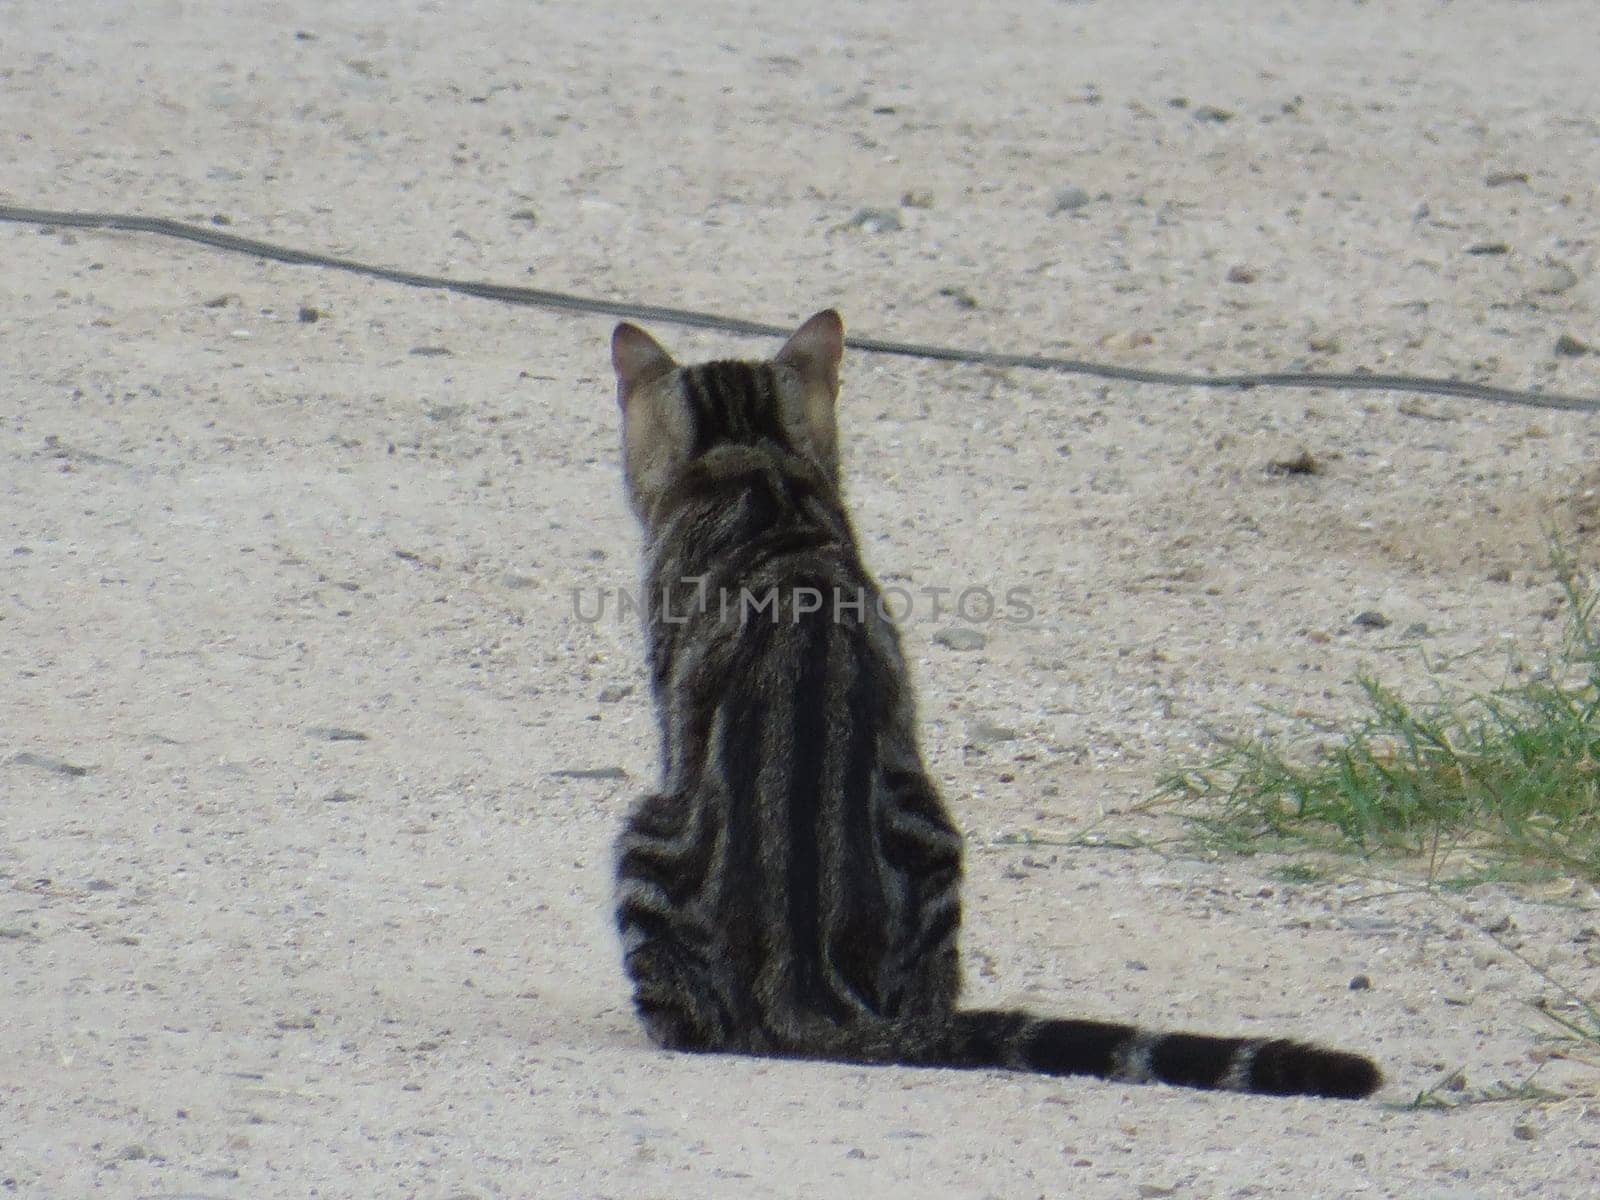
[247,956]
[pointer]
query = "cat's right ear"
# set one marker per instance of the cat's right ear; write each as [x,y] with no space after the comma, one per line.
[814,351]
[637,358]
[812,356]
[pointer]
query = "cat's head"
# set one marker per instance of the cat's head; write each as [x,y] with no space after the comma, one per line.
[672,415]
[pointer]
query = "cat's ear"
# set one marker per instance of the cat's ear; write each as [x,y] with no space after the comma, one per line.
[637,358]
[811,358]
[814,351]
[655,422]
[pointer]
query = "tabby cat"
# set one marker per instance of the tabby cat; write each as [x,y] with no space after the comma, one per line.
[792,887]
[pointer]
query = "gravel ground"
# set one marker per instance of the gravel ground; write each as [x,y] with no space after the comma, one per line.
[309,767]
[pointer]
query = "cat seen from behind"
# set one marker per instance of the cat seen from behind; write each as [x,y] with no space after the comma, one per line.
[792,888]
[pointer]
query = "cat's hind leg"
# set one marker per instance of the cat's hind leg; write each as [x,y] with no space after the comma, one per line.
[922,853]
[676,997]
[662,857]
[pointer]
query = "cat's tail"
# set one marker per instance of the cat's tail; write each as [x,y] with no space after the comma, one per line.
[1020,1042]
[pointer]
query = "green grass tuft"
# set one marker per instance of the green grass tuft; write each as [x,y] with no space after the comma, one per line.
[1579,1026]
[1299,873]
[1451,1092]
[1507,781]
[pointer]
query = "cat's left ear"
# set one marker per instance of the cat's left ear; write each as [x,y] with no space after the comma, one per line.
[814,351]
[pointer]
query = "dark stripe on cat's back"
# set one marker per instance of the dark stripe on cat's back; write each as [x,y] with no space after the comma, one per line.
[863,898]
[808,648]
[741,891]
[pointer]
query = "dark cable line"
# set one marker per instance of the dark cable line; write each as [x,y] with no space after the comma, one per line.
[567,302]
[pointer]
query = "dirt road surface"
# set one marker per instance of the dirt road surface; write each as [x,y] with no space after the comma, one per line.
[309,766]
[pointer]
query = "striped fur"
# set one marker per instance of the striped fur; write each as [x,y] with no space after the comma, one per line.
[792,889]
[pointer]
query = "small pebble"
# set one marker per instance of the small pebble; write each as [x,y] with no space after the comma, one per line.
[309,315]
[1070,199]
[589,773]
[338,796]
[962,297]
[1568,346]
[1241,274]
[875,220]
[335,733]
[1361,983]
[1299,463]
[987,733]
[1324,343]
[1213,115]
[917,198]
[614,692]
[1502,178]
[431,351]
[46,762]
[1488,248]
[957,638]
[1128,339]
[1370,618]
[526,215]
